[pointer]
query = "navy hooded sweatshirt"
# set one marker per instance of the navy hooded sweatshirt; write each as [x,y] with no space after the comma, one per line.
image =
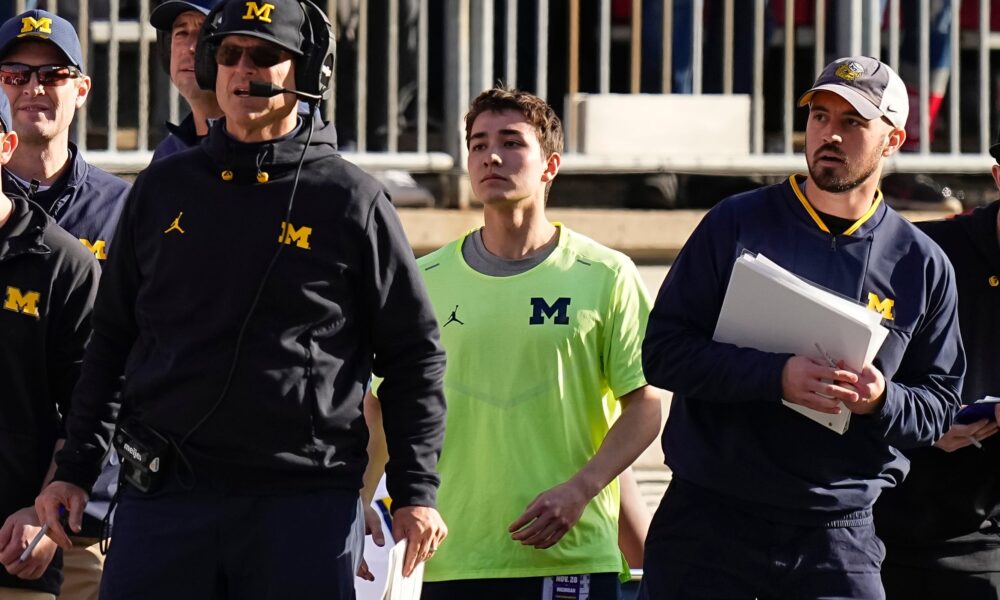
[728,431]
[344,299]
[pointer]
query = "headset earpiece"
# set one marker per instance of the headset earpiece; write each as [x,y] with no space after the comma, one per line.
[314,72]
[205,67]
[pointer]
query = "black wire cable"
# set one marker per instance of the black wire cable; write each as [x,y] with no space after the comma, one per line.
[253,307]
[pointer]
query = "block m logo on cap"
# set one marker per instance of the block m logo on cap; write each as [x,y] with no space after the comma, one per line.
[31,25]
[259,13]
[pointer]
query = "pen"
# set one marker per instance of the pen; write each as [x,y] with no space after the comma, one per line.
[34,542]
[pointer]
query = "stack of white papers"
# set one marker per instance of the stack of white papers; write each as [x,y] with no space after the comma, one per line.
[773,310]
[398,587]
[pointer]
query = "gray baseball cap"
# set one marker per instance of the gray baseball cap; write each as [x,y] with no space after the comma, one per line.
[871,86]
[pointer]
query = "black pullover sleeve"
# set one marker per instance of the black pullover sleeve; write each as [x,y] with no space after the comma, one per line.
[410,358]
[94,407]
[69,333]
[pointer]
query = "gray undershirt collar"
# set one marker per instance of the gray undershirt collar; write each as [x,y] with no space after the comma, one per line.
[481,260]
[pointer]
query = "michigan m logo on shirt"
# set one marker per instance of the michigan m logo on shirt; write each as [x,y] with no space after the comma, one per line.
[259,13]
[99,248]
[21,302]
[882,307]
[30,25]
[558,311]
[290,235]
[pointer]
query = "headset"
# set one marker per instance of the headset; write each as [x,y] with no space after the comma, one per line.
[313,70]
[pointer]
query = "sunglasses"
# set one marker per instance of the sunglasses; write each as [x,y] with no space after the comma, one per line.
[260,56]
[20,74]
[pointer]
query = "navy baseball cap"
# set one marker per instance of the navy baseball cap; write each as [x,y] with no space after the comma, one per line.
[45,26]
[5,118]
[163,16]
[277,21]
[871,86]
[995,148]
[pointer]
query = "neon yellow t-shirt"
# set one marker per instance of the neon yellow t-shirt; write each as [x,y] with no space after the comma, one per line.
[535,364]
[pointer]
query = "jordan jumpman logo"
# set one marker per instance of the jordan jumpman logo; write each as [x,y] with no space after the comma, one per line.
[176,225]
[453,318]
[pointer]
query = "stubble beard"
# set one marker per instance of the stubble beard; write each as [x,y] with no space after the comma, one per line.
[827,179]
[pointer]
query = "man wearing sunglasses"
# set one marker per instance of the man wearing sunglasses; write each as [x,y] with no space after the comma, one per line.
[46,296]
[43,75]
[257,281]
[177,23]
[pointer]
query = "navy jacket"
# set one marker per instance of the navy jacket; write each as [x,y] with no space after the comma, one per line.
[728,430]
[344,299]
[939,515]
[86,202]
[48,282]
[179,137]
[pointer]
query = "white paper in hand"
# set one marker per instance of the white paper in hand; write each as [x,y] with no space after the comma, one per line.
[398,587]
[771,309]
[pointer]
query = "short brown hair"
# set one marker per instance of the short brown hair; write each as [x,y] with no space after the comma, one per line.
[535,110]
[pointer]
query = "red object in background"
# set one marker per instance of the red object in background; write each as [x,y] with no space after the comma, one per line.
[621,10]
[968,16]
[805,12]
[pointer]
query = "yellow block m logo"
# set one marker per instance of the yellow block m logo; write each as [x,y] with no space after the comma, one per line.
[30,25]
[99,248]
[19,302]
[290,234]
[882,307]
[260,13]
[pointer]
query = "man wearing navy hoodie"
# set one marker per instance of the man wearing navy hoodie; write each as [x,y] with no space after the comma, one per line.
[764,502]
[47,286]
[43,74]
[257,281]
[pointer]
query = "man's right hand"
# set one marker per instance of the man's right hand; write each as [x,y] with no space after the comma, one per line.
[61,494]
[803,380]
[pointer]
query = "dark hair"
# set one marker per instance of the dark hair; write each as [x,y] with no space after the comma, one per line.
[535,110]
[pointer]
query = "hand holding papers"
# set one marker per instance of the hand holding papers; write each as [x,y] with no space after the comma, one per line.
[771,309]
[398,587]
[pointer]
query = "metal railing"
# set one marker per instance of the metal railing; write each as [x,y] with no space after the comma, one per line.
[415,64]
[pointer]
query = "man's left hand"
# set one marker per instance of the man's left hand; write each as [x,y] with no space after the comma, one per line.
[960,436]
[550,515]
[423,529]
[871,391]
[15,535]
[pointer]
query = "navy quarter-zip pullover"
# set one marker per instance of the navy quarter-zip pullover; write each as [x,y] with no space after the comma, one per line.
[85,201]
[728,431]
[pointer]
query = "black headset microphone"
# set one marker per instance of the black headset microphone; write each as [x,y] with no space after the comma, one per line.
[264,89]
